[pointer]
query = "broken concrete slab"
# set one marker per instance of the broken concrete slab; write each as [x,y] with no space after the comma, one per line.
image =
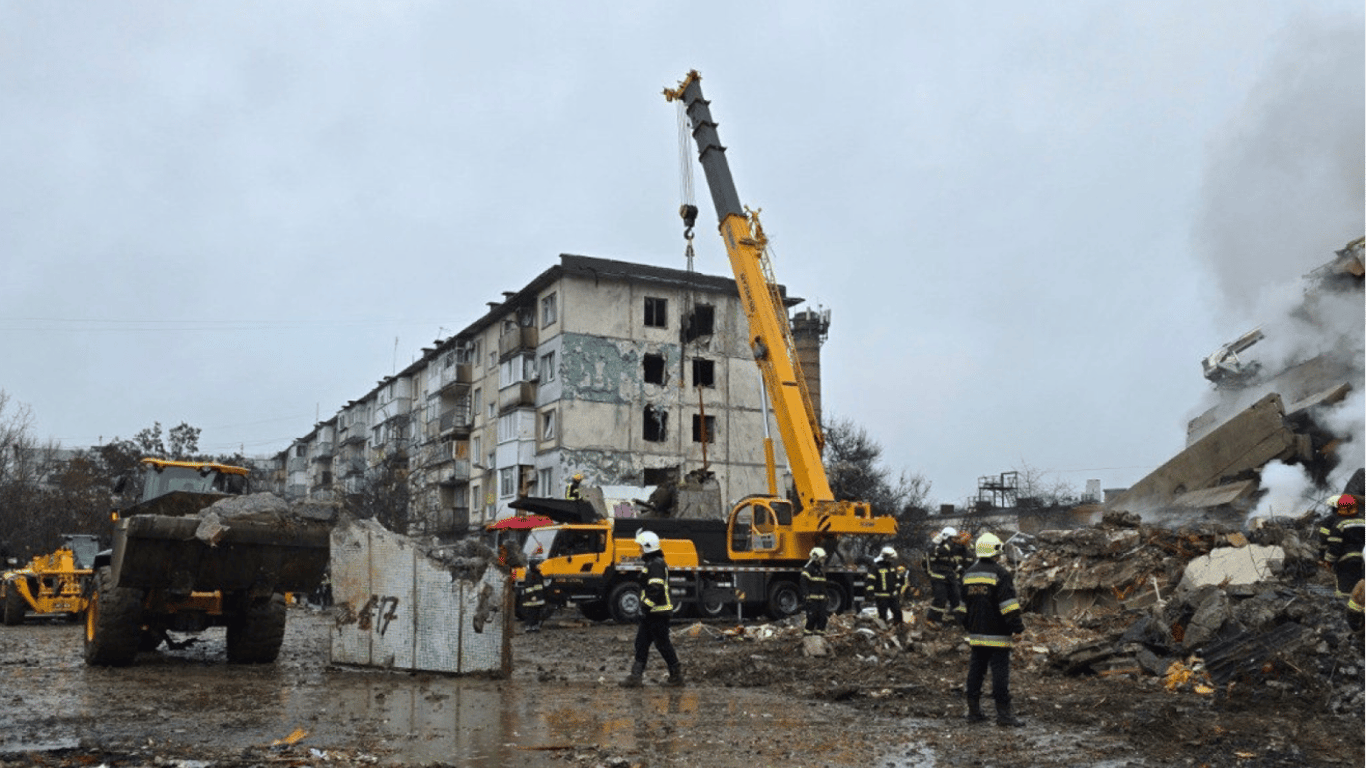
[1227,566]
[1244,443]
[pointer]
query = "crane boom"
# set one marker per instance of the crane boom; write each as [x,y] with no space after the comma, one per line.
[770,333]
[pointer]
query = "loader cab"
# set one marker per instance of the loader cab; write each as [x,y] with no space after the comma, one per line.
[161,477]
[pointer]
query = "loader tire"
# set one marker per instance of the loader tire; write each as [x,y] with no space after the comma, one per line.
[15,605]
[113,623]
[257,632]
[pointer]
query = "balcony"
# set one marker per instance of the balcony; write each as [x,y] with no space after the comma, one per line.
[322,451]
[393,409]
[458,474]
[350,467]
[457,420]
[522,395]
[297,464]
[521,338]
[454,376]
[357,435]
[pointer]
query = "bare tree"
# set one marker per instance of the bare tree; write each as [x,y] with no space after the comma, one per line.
[853,465]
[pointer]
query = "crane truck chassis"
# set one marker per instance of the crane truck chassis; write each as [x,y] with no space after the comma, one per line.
[596,567]
[164,574]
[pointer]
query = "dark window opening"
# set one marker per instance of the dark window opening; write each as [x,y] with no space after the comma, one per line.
[703,373]
[701,322]
[660,475]
[703,429]
[654,369]
[656,424]
[656,312]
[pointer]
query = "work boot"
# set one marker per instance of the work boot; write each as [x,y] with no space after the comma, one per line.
[975,711]
[675,676]
[1005,717]
[634,680]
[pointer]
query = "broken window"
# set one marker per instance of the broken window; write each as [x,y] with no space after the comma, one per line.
[543,486]
[700,322]
[703,429]
[656,424]
[660,475]
[654,369]
[703,373]
[548,314]
[548,367]
[656,312]
[507,482]
[548,425]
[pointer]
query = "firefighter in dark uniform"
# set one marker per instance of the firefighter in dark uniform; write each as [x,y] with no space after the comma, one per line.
[1342,553]
[991,615]
[945,563]
[656,606]
[884,586]
[572,492]
[816,600]
[533,596]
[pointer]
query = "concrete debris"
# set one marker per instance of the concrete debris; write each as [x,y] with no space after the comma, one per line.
[1234,566]
[1202,607]
[268,507]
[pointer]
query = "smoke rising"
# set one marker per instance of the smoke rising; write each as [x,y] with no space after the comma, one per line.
[1284,185]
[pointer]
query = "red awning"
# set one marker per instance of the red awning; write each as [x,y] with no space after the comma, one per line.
[521,523]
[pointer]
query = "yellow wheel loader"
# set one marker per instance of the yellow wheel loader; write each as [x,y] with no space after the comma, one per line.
[174,569]
[50,584]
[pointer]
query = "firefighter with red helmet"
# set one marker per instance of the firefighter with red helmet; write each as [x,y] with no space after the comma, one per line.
[1342,552]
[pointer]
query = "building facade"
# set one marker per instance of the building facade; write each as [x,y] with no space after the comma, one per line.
[628,373]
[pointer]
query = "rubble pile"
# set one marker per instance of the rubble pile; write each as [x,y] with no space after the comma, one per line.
[1205,608]
[217,518]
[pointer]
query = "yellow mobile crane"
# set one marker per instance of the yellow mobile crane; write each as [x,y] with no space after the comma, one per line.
[754,558]
[765,527]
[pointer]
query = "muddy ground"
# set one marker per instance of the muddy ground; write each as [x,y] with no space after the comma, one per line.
[751,699]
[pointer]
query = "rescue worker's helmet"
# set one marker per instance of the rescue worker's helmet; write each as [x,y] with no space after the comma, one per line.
[888,553]
[648,541]
[577,476]
[1347,504]
[949,532]
[817,553]
[988,545]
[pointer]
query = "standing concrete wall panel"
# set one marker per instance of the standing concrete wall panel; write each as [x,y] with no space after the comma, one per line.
[399,608]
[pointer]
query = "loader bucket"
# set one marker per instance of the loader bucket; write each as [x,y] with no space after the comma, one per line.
[157,551]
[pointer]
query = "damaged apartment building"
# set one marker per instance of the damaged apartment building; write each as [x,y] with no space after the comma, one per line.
[628,373]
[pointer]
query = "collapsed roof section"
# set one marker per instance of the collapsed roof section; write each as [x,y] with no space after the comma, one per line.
[1279,395]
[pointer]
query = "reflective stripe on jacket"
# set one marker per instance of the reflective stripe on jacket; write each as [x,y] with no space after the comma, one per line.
[1345,537]
[813,581]
[884,580]
[655,597]
[990,611]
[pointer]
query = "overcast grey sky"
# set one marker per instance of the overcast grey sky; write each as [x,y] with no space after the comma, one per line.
[1029,220]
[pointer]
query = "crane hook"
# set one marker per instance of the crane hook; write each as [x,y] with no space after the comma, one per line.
[689,214]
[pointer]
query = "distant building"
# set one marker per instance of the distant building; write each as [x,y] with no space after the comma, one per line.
[628,373]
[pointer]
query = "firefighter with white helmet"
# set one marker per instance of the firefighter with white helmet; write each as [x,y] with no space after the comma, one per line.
[944,563]
[815,598]
[884,586]
[656,607]
[990,612]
